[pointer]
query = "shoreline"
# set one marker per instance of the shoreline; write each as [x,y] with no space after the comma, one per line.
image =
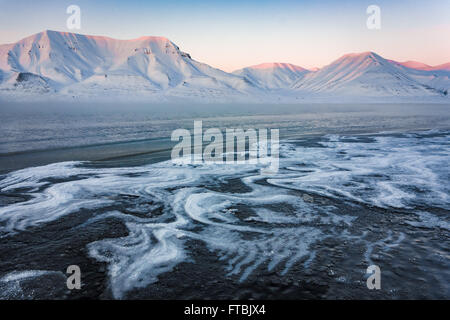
[144,151]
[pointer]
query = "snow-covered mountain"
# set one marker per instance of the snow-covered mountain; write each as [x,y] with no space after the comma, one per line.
[437,77]
[273,75]
[367,74]
[73,64]
[61,65]
[422,66]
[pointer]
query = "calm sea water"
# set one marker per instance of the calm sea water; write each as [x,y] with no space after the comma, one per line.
[357,186]
[37,134]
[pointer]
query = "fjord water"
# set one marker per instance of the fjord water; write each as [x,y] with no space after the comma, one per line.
[37,134]
[358,185]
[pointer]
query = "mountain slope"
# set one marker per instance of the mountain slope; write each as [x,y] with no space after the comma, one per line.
[437,77]
[61,65]
[77,63]
[363,74]
[273,75]
[422,66]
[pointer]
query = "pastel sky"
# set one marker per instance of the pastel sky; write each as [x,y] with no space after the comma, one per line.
[233,34]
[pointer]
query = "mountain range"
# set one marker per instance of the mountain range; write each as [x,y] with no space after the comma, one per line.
[69,66]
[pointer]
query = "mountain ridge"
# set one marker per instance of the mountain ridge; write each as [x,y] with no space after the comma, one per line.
[65,64]
[366,73]
[272,75]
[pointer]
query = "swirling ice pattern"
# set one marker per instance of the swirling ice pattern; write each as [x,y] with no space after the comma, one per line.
[271,222]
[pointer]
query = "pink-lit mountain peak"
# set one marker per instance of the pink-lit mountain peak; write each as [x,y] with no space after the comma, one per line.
[360,56]
[353,64]
[416,65]
[445,66]
[422,66]
[365,72]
